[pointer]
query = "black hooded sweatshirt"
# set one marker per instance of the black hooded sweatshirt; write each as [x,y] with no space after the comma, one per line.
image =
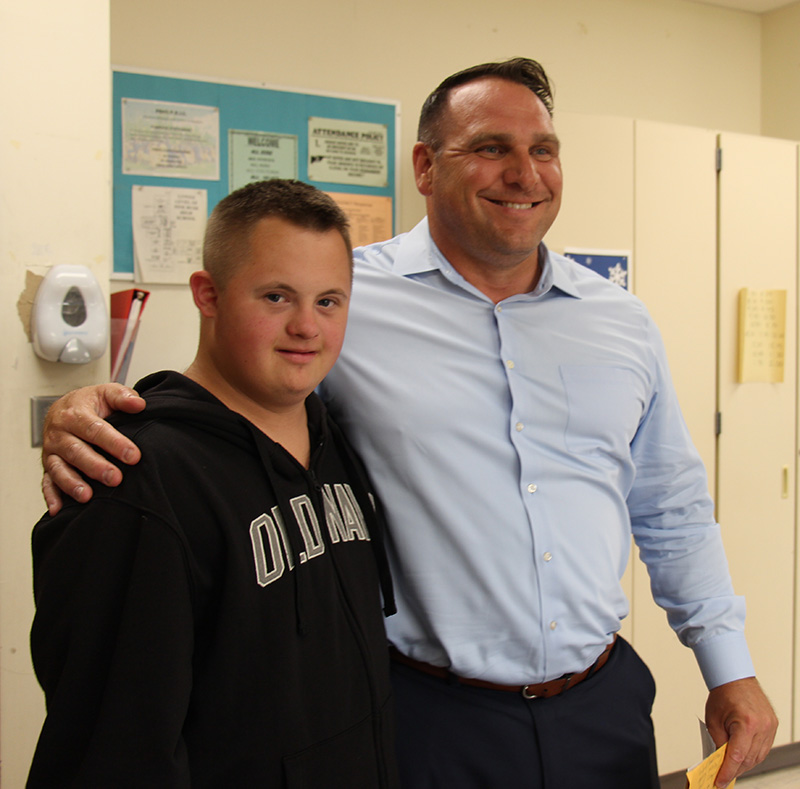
[215,620]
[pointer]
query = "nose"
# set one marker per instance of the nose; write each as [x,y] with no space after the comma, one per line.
[522,170]
[303,322]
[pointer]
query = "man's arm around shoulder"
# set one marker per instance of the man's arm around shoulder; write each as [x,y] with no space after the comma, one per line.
[74,424]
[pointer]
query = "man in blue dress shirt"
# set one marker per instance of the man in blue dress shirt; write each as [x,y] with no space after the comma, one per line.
[517,415]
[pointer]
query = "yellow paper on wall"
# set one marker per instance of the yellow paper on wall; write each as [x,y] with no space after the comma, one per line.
[370,216]
[762,335]
[702,776]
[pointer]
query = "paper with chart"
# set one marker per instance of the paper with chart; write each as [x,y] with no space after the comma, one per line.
[168,227]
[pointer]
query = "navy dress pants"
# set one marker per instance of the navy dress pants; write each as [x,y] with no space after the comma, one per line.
[597,735]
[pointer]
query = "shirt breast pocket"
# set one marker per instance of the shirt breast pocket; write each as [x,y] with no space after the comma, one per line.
[604,407]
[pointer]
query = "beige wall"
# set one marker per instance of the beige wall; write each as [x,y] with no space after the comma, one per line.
[54,208]
[664,60]
[780,77]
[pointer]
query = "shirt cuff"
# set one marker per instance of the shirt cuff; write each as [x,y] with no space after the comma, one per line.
[724,659]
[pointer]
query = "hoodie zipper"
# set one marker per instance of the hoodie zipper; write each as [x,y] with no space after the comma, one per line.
[358,633]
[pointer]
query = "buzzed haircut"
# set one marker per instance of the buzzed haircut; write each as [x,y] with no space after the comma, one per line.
[227,236]
[524,71]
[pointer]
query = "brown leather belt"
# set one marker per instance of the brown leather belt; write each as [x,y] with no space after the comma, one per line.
[542,690]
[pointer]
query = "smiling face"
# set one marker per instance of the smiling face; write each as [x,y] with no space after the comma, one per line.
[493,186]
[276,328]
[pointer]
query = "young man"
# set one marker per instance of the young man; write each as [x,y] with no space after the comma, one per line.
[215,620]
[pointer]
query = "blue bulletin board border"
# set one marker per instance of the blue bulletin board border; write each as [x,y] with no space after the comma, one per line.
[246,106]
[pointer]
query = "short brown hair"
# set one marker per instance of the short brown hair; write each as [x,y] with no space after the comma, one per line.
[524,71]
[228,229]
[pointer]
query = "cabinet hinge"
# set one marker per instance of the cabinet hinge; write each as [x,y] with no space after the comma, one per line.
[719,160]
[718,423]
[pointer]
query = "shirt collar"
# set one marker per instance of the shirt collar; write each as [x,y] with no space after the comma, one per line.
[418,254]
[555,274]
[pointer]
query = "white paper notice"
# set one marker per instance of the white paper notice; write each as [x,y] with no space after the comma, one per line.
[170,140]
[168,227]
[257,156]
[347,152]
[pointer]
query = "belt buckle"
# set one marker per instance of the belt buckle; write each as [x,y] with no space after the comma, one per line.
[526,694]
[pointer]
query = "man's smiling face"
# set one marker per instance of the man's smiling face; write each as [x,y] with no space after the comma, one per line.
[493,185]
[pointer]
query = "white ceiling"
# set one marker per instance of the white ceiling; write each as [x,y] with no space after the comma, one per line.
[756,6]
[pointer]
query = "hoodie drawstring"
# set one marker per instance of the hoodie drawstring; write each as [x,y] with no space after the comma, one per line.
[373,514]
[295,546]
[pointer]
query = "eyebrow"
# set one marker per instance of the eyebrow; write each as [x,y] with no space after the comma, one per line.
[507,138]
[268,286]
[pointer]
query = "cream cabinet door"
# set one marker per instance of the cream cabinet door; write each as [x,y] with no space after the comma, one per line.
[597,163]
[757,444]
[675,259]
[795,736]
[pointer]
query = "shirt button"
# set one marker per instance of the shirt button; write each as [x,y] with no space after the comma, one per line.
[499,308]
[510,364]
[553,625]
[519,427]
[532,488]
[547,556]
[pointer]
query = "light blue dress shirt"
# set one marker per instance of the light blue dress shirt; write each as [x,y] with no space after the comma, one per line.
[516,447]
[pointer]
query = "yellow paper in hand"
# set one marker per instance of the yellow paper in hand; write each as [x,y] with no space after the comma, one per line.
[702,776]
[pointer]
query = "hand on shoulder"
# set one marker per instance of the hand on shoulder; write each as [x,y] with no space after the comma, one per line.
[73,425]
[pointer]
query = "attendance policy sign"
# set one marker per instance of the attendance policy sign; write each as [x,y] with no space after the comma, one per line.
[347,152]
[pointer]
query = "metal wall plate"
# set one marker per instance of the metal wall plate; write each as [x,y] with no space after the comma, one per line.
[39,408]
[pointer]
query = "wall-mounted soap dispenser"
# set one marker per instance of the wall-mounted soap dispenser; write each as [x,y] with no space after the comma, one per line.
[69,322]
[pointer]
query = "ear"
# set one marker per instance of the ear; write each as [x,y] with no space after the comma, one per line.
[422,157]
[205,293]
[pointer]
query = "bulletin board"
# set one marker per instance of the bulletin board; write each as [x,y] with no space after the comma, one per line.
[346,146]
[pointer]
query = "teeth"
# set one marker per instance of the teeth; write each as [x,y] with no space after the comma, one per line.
[517,205]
